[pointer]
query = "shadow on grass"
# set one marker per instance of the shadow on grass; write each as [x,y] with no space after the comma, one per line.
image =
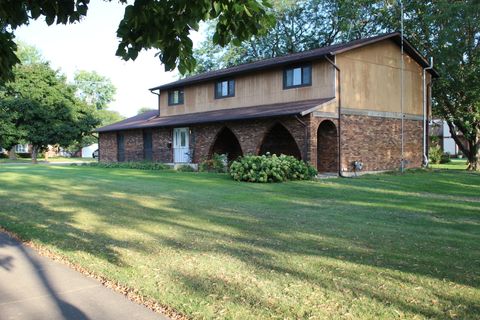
[400,223]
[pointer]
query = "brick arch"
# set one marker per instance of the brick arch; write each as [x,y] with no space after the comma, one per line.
[327,147]
[226,142]
[278,140]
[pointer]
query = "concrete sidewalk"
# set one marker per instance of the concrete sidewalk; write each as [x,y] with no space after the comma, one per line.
[35,287]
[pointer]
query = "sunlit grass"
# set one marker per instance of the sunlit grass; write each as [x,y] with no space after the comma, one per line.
[379,246]
[51,159]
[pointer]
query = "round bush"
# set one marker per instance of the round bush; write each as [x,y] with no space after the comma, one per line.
[271,168]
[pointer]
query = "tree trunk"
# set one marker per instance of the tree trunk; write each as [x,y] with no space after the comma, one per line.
[11,154]
[474,158]
[34,154]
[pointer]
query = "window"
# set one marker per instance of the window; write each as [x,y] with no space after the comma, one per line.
[175,97]
[297,77]
[224,89]
[21,148]
[120,147]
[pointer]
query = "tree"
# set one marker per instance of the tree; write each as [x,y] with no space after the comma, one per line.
[164,25]
[48,111]
[94,89]
[9,133]
[299,26]
[145,109]
[446,30]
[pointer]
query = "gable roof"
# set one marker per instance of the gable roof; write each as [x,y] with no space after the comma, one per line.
[151,120]
[304,56]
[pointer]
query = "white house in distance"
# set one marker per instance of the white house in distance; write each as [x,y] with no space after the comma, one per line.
[87,152]
[440,129]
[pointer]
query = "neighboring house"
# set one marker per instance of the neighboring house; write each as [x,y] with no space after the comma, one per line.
[288,105]
[26,149]
[87,152]
[439,128]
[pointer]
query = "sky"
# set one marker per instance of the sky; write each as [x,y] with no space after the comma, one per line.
[90,45]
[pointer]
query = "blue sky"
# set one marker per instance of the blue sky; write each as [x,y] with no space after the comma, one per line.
[91,45]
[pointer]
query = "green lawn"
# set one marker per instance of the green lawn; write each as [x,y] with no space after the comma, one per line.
[381,246]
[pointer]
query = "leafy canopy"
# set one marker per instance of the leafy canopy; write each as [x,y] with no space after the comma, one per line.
[164,25]
[46,108]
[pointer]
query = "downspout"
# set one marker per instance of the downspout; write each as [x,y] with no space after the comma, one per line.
[425,157]
[340,173]
[157,94]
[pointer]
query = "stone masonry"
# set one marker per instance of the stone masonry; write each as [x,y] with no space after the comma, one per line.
[373,140]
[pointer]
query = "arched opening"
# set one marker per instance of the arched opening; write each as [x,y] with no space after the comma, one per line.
[278,140]
[226,143]
[327,147]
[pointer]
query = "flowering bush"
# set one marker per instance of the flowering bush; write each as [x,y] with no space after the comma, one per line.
[271,168]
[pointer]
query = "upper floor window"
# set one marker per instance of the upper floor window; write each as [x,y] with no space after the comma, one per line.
[175,97]
[297,77]
[224,88]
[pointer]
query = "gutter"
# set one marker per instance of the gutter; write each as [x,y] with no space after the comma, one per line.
[340,173]
[425,156]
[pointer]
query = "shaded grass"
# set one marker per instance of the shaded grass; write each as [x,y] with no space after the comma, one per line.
[379,246]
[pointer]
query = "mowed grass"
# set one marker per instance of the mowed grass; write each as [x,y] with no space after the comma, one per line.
[381,246]
[42,160]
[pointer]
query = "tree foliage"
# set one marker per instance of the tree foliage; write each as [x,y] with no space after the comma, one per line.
[145,109]
[300,26]
[164,25]
[94,89]
[48,112]
[448,31]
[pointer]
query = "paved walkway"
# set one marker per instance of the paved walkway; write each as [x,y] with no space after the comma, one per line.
[35,287]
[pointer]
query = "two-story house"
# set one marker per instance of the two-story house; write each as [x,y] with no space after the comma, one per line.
[329,106]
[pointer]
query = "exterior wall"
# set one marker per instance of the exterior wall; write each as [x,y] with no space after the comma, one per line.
[373,140]
[264,87]
[376,141]
[107,144]
[250,135]
[371,79]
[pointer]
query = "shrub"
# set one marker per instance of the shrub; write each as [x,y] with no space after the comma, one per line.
[185,168]
[218,163]
[3,155]
[435,154]
[130,165]
[271,168]
[445,158]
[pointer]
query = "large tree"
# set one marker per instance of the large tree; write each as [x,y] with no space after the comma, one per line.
[48,112]
[164,25]
[448,31]
[300,26]
[94,89]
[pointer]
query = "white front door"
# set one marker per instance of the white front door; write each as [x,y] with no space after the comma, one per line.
[181,150]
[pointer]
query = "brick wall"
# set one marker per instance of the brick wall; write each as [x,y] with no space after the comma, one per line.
[249,133]
[374,141]
[377,142]
[107,146]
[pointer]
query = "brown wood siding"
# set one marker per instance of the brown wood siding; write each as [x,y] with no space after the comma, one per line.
[371,79]
[260,88]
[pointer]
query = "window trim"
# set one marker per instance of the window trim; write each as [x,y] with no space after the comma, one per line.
[230,95]
[170,92]
[308,65]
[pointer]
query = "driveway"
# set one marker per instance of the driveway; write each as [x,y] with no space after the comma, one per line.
[35,287]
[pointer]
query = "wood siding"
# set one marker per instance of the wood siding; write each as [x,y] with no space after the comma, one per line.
[264,87]
[371,79]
